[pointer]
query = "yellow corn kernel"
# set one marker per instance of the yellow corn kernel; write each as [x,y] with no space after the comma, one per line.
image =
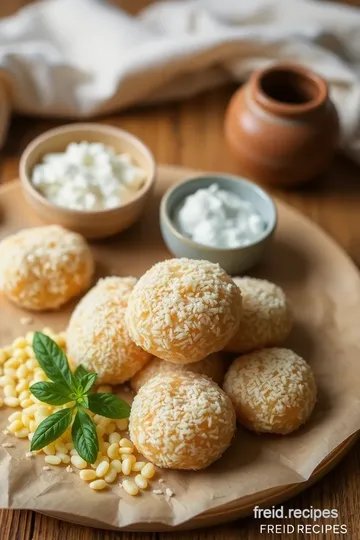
[113,451]
[102,468]
[19,343]
[15,416]
[98,484]
[78,462]
[53,460]
[49,450]
[15,426]
[110,428]
[122,424]
[87,475]
[141,481]
[116,464]
[22,433]
[22,385]
[11,401]
[114,438]
[126,466]
[125,443]
[106,388]
[9,391]
[6,380]
[148,471]
[130,487]
[65,458]
[138,466]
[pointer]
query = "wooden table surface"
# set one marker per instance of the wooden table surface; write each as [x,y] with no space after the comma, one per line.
[190,134]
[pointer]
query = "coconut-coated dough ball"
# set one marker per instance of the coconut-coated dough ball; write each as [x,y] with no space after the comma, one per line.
[266,318]
[182,310]
[182,421]
[272,390]
[214,366]
[42,268]
[97,336]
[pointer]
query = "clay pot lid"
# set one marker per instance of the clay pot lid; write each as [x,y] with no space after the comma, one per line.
[288,89]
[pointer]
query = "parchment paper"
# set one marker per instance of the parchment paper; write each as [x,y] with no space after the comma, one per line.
[324,288]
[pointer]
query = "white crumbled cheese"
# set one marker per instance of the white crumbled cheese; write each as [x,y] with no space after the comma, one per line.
[218,218]
[88,176]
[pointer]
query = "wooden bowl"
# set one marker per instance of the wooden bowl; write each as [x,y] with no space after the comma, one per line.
[91,224]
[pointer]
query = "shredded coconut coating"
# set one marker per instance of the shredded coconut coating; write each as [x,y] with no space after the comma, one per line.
[42,268]
[266,318]
[182,421]
[182,310]
[272,390]
[214,366]
[97,336]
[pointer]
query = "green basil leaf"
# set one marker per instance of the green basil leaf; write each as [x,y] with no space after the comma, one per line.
[51,429]
[85,437]
[87,382]
[52,360]
[52,393]
[79,372]
[108,405]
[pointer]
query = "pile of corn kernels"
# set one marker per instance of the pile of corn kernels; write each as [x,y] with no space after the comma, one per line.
[19,370]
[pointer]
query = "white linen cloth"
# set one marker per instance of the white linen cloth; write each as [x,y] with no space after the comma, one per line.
[79,58]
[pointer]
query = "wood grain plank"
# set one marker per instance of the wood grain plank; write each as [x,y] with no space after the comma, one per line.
[16,524]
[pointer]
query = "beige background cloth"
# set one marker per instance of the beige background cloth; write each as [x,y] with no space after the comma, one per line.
[84,57]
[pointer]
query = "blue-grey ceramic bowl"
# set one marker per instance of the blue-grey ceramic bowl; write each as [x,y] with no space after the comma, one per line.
[235,261]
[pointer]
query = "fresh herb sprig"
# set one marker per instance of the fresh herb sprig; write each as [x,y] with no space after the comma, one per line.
[67,387]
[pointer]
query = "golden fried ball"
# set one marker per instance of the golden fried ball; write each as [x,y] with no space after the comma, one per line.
[43,267]
[97,336]
[266,318]
[214,366]
[182,421]
[182,310]
[272,390]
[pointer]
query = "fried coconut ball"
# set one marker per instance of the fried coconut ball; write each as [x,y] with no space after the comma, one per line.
[182,310]
[97,336]
[266,318]
[182,421]
[43,267]
[272,390]
[214,366]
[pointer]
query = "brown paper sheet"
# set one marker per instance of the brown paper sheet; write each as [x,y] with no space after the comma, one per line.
[324,288]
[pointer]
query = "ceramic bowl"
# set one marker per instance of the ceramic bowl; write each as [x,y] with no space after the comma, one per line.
[91,224]
[234,261]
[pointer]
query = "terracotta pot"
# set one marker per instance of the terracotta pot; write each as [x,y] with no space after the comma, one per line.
[282,126]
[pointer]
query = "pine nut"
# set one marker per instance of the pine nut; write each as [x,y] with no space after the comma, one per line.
[111,475]
[99,460]
[15,426]
[98,484]
[78,462]
[11,372]
[114,437]
[74,452]
[7,380]
[110,428]
[22,433]
[126,466]
[130,487]
[12,363]
[141,481]
[11,401]
[31,409]
[65,458]
[122,424]
[116,464]
[113,451]
[138,466]
[60,447]
[25,420]
[1,402]
[30,436]
[49,450]
[87,475]
[126,450]
[25,403]
[15,416]
[53,460]
[20,354]
[102,468]
[2,357]
[21,386]
[9,391]
[19,343]
[32,425]
[148,471]
[125,443]
[25,394]
[22,371]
